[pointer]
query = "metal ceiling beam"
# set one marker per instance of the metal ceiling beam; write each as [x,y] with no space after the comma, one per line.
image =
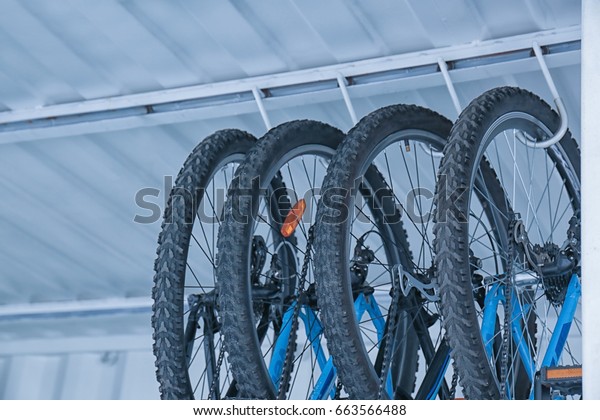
[62,318]
[77,344]
[78,308]
[472,61]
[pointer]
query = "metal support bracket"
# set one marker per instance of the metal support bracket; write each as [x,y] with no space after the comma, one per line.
[342,81]
[453,95]
[444,70]
[562,111]
[258,97]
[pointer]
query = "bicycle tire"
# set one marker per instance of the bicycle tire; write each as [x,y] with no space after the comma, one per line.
[262,162]
[332,266]
[451,240]
[172,253]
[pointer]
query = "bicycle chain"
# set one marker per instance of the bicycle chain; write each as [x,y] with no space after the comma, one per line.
[215,382]
[289,352]
[338,390]
[454,383]
[387,353]
[508,288]
[383,378]
[396,291]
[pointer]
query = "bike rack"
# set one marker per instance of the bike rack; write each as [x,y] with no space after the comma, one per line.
[343,85]
[560,106]
[342,82]
[258,98]
[562,112]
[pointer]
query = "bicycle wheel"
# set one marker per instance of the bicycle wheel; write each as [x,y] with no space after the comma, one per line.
[270,316]
[187,338]
[508,244]
[379,302]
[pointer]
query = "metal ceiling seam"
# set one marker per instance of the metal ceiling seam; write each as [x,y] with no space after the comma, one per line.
[369,27]
[246,12]
[160,34]
[59,218]
[377,65]
[98,14]
[88,77]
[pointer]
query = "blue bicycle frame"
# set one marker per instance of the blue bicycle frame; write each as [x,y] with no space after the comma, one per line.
[325,385]
[495,297]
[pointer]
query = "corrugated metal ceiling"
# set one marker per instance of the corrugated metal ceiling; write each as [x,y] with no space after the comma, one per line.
[57,52]
[66,220]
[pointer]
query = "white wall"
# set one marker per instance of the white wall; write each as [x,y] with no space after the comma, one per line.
[90,375]
[590,173]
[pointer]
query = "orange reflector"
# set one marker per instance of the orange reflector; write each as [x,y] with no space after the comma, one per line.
[292,220]
[563,373]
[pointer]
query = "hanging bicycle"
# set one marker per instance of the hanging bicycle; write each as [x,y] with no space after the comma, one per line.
[270,315]
[188,343]
[508,247]
[363,258]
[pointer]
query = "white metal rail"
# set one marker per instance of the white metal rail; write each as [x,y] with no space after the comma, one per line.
[470,61]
